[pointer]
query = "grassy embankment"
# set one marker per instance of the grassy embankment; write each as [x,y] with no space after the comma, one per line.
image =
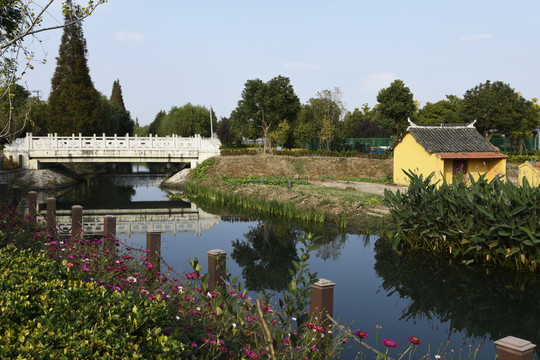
[263,183]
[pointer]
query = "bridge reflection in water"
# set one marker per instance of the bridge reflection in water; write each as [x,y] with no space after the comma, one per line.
[138,217]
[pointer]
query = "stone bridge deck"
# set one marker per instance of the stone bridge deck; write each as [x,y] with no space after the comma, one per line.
[33,150]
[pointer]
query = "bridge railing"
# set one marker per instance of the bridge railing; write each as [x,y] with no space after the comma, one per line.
[53,141]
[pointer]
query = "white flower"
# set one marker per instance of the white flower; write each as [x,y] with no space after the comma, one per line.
[233,325]
[178,318]
[208,294]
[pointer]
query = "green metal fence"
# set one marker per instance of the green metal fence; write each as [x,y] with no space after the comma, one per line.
[368,145]
[509,144]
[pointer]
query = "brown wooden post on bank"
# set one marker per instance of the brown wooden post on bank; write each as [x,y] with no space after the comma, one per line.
[109,226]
[216,268]
[513,348]
[16,196]
[322,299]
[153,244]
[32,204]
[76,220]
[51,214]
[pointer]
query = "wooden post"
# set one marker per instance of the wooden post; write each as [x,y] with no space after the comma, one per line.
[51,214]
[109,226]
[513,348]
[76,220]
[16,195]
[216,268]
[153,244]
[32,204]
[322,299]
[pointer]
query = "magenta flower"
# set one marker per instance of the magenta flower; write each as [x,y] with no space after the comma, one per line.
[389,343]
[361,334]
[414,340]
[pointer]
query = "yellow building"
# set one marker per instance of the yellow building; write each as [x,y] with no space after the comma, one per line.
[530,171]
[445,150]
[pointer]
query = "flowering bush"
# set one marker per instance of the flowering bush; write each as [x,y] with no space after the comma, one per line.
[97,298]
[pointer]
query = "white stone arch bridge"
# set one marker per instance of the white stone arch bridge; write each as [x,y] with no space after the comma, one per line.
[31,150]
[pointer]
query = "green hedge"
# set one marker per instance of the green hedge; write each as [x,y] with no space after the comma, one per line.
[45,314]
[484,221]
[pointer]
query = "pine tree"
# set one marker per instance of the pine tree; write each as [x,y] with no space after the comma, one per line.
[116,95]
[74,103]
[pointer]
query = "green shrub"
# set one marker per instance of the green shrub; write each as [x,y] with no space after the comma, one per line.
[484,221]
[45,314]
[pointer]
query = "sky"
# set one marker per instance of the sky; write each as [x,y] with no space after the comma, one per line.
[169,53]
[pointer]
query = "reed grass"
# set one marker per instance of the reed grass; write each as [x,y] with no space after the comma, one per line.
[263,206]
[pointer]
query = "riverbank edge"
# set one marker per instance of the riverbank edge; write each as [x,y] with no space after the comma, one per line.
[371,217]
[44,179]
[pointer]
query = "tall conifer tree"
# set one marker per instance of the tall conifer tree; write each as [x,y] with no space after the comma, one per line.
[116,95]
[74,103]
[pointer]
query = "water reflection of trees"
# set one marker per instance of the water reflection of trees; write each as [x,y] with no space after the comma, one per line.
[478,302]
[265,256]
[99,191]
[266,252]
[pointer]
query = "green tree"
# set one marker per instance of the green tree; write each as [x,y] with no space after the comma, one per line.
[224,131]
[124,123]
[264,105]
[443,111]
[37,117]
[154,125]
[14,110]
[74,103]
[188,120]
[396,105]
[304,129]
[116,95]
[280,135]
[20,19]
[327,109]
[497,107]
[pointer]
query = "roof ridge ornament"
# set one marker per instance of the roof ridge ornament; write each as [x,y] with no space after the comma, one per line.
[411,124]
[471,125]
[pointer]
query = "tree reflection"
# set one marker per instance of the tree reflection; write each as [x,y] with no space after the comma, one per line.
[265,256]
[98,192]
[478,302]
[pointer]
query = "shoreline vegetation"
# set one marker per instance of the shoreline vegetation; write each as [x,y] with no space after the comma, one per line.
[283,186]
[490,224]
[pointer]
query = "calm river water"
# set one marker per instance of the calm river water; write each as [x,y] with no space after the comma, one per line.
[409,295]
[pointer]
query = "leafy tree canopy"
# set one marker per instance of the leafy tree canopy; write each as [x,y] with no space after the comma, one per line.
[154,125]
[116,95]
[74,103]
[443,111]
[497,107]
[396,105]
[188,120]
[263,106]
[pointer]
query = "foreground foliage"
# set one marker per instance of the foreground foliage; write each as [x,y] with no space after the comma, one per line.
[484,221]
[66,297]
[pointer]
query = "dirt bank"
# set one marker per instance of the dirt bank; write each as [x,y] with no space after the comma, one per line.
[302,167]
[346,202]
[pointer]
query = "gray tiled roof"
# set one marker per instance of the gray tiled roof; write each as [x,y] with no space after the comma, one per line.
[450,138]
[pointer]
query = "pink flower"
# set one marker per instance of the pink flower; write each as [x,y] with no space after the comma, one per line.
[70,265]
[149,266]
[361,334]
[389,343]
[414,340]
